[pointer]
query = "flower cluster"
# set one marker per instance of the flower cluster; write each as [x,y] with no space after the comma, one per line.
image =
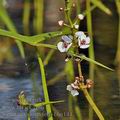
[82,40]
[78,84]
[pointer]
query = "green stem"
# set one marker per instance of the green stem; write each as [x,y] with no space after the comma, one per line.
[26,16]
[38,18]
[93,105]
[117,59]
[91,52]
[68,11]
[28,115]
[79,69]
[77,109]
[45,90]
[8,22]
[78,7]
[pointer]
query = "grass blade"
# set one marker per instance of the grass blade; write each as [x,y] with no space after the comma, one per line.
[92,61]
[45,90]
[32,40]
[26,16]
[46,45]
[101,6]
[46,103]
[6,19]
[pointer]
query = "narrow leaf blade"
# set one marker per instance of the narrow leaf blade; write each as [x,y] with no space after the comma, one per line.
[92,61]
[101,6]
[45,103]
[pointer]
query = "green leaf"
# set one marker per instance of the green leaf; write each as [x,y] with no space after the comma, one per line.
[44,84]
[101,6]
[46,103]
[32,40]
[46,45]
[92,61]
[45,36]
[7,21]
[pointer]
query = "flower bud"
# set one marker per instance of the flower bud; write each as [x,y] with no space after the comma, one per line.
[77,78]
[61,9]
[61,23]
[81,16]
[67,58]
[76,26]
[89,83]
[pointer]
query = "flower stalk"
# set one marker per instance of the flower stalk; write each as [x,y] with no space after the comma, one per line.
[88,97]
[79,39]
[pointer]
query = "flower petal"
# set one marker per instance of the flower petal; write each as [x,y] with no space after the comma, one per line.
[74,92]
[75,86]
[84,46]
[60,47]
[87,40]
[83,37]
[79,41]
[79,34]
[66,39]
[69,88]
[71,37]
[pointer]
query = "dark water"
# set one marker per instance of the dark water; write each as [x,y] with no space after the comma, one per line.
[9,89]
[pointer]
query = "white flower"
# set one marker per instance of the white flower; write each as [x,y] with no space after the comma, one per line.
[83,41]
[65,44]
[73,91]
[81,16]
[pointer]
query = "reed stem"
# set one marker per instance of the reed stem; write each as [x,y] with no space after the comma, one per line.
[91,52]
[45,89]
[26,16]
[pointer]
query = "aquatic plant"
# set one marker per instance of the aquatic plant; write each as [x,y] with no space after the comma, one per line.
[72,40]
